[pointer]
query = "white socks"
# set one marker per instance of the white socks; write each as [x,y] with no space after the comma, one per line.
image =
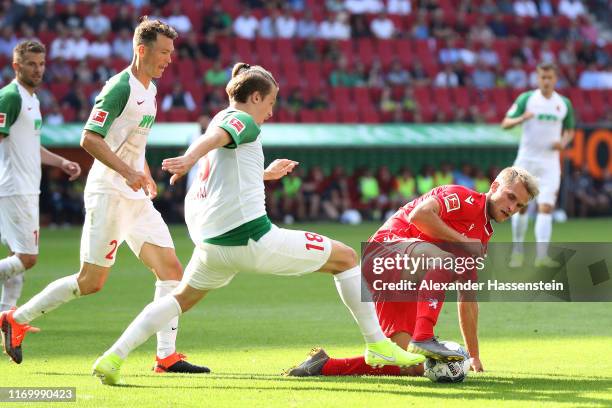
[520,222]
[543,231]
[11,290]
[9,267]
[55,294]
[166,337]
[152,319]
[349,284]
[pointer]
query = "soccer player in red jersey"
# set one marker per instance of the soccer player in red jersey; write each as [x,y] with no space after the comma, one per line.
[447,214]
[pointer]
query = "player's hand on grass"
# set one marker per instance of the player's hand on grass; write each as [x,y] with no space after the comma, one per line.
[137,180]
[279,168]
[476,365]
[178,166]
[72,169]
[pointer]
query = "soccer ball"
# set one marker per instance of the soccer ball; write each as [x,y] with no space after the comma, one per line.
[451,372]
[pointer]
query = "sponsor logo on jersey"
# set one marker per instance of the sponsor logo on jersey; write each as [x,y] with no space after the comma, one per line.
[2,119]
[452,202]
[98,117]
[147,121]
[471,227]
[140,102]
[469,200]
[37,124]
[236,124]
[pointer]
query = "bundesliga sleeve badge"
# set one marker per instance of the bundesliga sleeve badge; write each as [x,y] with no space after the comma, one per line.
[236,124]
[98,117]
[2,119]
[451,202]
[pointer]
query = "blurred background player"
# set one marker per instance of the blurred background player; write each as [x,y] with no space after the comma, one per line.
[118,198]
[548,127]
[449,214]
[228,223]
[21,156]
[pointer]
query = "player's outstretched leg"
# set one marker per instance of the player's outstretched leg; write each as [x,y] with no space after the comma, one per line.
[312,366]
[380,351]
[520,223]
[13,334]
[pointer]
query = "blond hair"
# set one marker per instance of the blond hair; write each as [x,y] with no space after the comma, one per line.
[510,175]
[247,79]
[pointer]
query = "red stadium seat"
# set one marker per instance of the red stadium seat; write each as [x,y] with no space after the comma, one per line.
[341,97]
[328,116]
[179,115]
[442,100]
[308,116]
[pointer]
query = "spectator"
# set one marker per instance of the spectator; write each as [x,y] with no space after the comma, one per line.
[525,52]
[76,99]
[376,77]
[444,176]
[572,9]
[216,75]
[214,99]
[425,180]
[292,198]
[342,76]
[463,76]
[335,27]
[489,8]
[408,102]
[428,5]
[387,103]
[267,25]
[546,53]
[179,98]
[59,71]
[525,8]
[179,21]
[333,52]
[363,6]
[359,26]
[481,32]
[295,101]
[123,20]
[546,8]
[587,54]
[418,74]
[369,193]
[516,77]
[70,18]
[439,28]
[446,78]
[567,56]
[8,41]
[122,45]
[60,45]
[309,51]
[588,29]
[78,46]
[463,177]
[462,27]
[50,20]
[397,75]
[319,101]
[487,55]
[334,6]
[100,48]
[97,23]
[500,77]
[537,30]
[556,31]
[482,184]
[83,74]
[286,26]
[217,21]
[31,18]
[450,53]
[246,25]
[190,48]
[209,47]
[382,27]
[55,116]
[401,7]
[297,5]
[590,78]
[499,27]
[483,77]
[405,186]
[420,29]
[307,27]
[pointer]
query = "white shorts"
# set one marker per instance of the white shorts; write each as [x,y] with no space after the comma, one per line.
[111,219]
[279,252]
[548,173]
[19,227]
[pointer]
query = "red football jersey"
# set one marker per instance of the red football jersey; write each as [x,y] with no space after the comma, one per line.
[462,209]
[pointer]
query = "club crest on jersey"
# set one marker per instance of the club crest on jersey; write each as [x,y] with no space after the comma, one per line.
[469,200]
[236,124]
[452,202]
[98,117]
[2,119]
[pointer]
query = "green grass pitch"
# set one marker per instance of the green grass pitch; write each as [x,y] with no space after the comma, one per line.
[540,355]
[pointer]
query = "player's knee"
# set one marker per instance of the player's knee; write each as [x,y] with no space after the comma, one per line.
[345,257]
[89,286]
[28,260]
[545,208]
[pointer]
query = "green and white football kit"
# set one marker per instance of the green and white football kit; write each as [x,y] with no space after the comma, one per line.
[226,215]
[123,114]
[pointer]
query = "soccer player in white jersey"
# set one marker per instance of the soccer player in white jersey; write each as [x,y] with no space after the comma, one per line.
[226,216]
[116,202]
[20,158]
[548,127]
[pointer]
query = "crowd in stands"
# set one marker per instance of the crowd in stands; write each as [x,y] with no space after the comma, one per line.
[336,60]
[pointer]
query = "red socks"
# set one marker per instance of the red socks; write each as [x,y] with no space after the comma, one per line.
[430,303]
[355,366]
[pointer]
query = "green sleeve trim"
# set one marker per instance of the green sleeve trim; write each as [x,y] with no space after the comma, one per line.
[241,127]
[569,122]
[10,106]
[239,236]
[109,104]
[519,106]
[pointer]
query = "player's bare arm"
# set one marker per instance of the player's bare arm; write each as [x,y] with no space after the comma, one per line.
[426,217]
[95,145]
[468,322]
[69,167]
[151,184]
[566,139]
[509,123]
[212,139]
[279,168]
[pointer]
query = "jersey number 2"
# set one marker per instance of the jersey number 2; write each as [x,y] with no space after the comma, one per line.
[112,251]
[314,237]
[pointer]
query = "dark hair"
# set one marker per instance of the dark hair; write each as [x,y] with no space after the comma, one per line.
[147,30]
[247,79]
[26,46]
[547,66]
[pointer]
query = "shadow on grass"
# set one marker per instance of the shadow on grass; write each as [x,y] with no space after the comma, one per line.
[552,388]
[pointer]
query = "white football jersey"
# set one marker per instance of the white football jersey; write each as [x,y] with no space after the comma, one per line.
[123,114]
[20,126]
